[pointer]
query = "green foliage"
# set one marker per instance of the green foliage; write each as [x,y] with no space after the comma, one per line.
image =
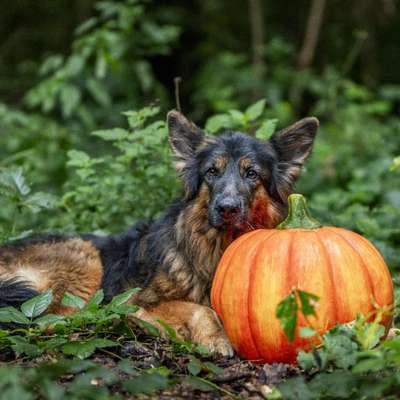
[56,175]
[93,328]
[134,181]
[287,311]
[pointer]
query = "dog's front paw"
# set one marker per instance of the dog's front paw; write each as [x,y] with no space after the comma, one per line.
[217,344]
[207,330]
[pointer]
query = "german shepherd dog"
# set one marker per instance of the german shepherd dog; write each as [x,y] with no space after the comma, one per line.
[233,183]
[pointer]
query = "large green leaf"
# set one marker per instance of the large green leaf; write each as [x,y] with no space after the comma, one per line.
[11,314]
[38,304]
[70,300]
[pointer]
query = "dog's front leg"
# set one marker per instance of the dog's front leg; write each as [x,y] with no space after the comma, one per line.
[191,321]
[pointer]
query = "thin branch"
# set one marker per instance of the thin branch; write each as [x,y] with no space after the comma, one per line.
[177,81]
[311,36]
[256,19]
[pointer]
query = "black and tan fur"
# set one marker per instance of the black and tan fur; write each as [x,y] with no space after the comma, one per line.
[232,184]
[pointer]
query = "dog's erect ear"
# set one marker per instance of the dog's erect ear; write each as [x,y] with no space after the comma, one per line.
[293,145]
[184,137]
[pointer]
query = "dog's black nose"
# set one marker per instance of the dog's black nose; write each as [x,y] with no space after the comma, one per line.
[228,209]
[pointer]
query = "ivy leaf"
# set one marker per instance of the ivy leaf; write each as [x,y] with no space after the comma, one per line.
[146,383]
[255,110]
[307,302]
[11,314]
[286,312]
[266,130]
[70,300]
[38,304]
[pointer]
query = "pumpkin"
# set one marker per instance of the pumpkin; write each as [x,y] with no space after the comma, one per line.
[260,268]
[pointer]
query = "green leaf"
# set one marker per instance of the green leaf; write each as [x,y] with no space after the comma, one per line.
[369,365]
[146,383]
[70,97]
[168,328]
[286,312]
[194,366]
[112,134]
[238,118]
[136,119]
[49,320]
[123,298]
[296,389]
[97,298]
[40,201]
[266,130]
[21,345]
[150,328]
[307,332]
[13,179]
[218,122]
[70,300]
[11,314]
[98,92]
[255,110]
[213,368]
[78,158]
[38,304]
[395,164]
[84,349]
[307,302]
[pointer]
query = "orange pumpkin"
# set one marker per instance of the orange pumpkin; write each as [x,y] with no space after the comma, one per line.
[260,268]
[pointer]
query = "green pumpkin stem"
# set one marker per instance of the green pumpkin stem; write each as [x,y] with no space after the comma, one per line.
[298,215]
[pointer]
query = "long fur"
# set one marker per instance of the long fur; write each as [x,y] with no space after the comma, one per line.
[174,257]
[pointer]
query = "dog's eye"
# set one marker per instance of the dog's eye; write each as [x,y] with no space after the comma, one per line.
[251,174]
[212,171]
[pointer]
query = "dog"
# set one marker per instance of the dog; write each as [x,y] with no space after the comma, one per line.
[232,184]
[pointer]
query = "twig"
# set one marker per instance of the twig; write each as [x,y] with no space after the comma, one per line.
[231,377]
[177,81]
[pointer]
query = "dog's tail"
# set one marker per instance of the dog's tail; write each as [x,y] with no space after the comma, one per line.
[14,292]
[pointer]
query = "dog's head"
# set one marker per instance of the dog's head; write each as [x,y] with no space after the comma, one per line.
[246,181]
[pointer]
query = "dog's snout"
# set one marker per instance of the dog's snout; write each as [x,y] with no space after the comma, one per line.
[228,209]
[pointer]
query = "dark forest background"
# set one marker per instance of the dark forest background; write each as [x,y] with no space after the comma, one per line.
[73,157]
[85,86]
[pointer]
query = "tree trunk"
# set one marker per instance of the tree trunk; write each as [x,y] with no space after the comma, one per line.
[311,36]
[256,19]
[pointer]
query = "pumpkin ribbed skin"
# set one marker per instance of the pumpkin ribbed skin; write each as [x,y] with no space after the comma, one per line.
[260,268]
